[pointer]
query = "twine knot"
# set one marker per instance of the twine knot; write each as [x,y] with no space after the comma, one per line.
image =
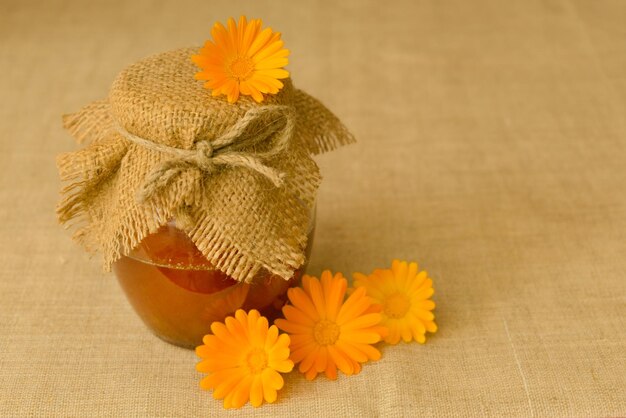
[204,156]
[239,146]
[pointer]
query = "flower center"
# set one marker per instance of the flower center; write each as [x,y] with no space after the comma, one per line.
[397,305]
[241,68]
[256,360]
[326,332]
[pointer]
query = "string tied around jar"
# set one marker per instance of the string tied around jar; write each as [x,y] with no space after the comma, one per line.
[239,146]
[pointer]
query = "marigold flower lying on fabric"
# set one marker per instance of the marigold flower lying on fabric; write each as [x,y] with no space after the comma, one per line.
[404,295]
[242,59]
[327,333]
[243,357]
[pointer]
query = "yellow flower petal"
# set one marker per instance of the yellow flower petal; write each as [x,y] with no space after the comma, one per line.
[321,360]
[300,300]
[260,41]
[298,354]
[310,374]
[316,294]
[224,385]
[271,63]
[431,327]
[351,351]
[354,306]
[364,321]
[298,316]
[250,34]
[232,33]
[362,337]
[272,379]
[333,294]
[268,50]
[269,81]
[275,73]
[331,370]
[221,39]
[256,391]
[291,327]
[309,359]
[284,366]
[342,362]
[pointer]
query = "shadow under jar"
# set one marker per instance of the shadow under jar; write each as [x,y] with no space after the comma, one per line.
[178,293]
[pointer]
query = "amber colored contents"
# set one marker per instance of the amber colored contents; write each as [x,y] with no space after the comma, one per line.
[178,294]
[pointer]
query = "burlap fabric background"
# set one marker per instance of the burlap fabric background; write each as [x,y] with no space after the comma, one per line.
[492,149]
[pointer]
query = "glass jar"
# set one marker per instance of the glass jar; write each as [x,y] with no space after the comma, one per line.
[178,293]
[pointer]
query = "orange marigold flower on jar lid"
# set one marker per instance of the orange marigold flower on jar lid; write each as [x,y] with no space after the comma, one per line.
[404,294]
[242,59]
[244,358]
[327,333]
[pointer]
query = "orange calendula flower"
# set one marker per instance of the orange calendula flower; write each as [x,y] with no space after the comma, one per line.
[405,298]
[244,358]
[242,59]
[327,333]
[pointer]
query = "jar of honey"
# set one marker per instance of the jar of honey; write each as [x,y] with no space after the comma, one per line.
[238,177]
[178,293]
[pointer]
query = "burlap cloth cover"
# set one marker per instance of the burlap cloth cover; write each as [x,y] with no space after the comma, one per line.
[240,220]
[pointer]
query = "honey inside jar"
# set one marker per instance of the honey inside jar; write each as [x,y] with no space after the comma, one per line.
[178,293]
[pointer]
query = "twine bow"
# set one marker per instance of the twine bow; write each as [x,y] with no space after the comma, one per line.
[234,148]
